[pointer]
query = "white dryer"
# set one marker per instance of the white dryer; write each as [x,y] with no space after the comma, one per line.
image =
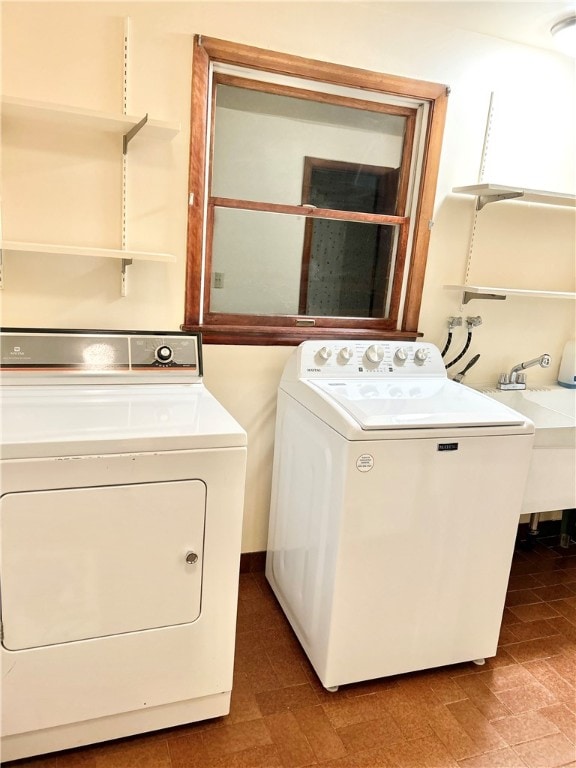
[120,539]
[395,501]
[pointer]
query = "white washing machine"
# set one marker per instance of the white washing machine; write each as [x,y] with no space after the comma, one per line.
[120,523]
[395,503]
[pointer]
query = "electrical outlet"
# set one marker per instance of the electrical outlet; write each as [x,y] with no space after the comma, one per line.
[218,279]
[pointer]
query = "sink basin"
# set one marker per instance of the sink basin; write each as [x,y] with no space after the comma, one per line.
[557,399]
[551,483]
[553,412]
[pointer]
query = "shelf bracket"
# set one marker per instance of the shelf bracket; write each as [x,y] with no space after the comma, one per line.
[483,200]
[470,296]
[127,138]
[124,278]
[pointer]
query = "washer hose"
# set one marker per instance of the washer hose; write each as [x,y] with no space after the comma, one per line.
[459,376]
[461,355]
[447,345]
[453,322]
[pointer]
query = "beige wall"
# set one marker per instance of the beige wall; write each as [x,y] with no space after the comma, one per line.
[66,188]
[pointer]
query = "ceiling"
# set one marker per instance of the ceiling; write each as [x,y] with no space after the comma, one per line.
[521,22]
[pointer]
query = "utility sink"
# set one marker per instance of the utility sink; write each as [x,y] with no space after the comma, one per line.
[557,399]
[551,483]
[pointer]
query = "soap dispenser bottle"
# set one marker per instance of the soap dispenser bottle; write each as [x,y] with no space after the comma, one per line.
[567,372]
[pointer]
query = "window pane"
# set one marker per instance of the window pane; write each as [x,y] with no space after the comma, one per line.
[348,269]
[261,141]
[276,264]
[257,258]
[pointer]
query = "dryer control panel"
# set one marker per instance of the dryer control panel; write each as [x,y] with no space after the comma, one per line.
[343,359]
[99,353]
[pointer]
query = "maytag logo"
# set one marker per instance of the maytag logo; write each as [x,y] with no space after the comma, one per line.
[447,447]
[313,370]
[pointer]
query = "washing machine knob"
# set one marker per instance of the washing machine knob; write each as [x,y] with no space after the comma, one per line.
[324,353]
[421,355]
[164,354]
[375,353]
[401,355]
[346,354]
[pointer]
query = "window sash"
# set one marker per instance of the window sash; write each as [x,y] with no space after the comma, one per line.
[393,300]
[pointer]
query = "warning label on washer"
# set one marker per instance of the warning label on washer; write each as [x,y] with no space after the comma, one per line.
[365,462]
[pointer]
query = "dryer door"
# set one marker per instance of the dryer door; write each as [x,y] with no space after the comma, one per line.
[89,562]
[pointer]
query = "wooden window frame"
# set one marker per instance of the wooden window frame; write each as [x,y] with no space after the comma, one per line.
[228,328]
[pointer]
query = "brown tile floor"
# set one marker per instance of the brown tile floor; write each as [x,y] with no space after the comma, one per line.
[518,710]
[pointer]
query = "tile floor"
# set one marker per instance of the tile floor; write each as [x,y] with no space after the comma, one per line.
[517,711]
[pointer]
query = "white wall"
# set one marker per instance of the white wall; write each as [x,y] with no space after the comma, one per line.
[68,188]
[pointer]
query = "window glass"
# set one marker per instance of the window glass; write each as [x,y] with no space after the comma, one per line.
[261,140]
[256,258]
[274,264]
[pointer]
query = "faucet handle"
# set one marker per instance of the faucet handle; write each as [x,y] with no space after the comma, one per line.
[504,378]
[521,378]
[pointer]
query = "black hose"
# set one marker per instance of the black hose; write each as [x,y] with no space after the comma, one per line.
[461,355]
[460,375]
[448,342]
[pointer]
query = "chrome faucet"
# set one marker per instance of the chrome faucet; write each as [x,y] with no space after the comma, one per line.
[517,380]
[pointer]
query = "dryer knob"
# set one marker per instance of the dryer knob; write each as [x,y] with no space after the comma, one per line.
[324,353]
[164,354]
[375,353]
[401,355]
[421,355]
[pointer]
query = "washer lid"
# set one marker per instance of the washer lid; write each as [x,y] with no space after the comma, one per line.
[415,403]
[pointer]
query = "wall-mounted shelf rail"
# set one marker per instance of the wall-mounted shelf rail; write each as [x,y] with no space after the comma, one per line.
[471,292]
[492,193]
[486,193]
[13,107]
[126,126]
[46,116]
[12,246]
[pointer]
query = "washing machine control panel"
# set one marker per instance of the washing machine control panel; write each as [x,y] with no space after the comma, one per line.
[335,359]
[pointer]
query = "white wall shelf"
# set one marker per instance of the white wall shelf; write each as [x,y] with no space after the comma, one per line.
[492,193]
[25,109]
[487,193]
[470,292]
[13,246]
[119,123]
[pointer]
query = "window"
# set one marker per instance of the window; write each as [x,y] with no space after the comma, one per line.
[311,194]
